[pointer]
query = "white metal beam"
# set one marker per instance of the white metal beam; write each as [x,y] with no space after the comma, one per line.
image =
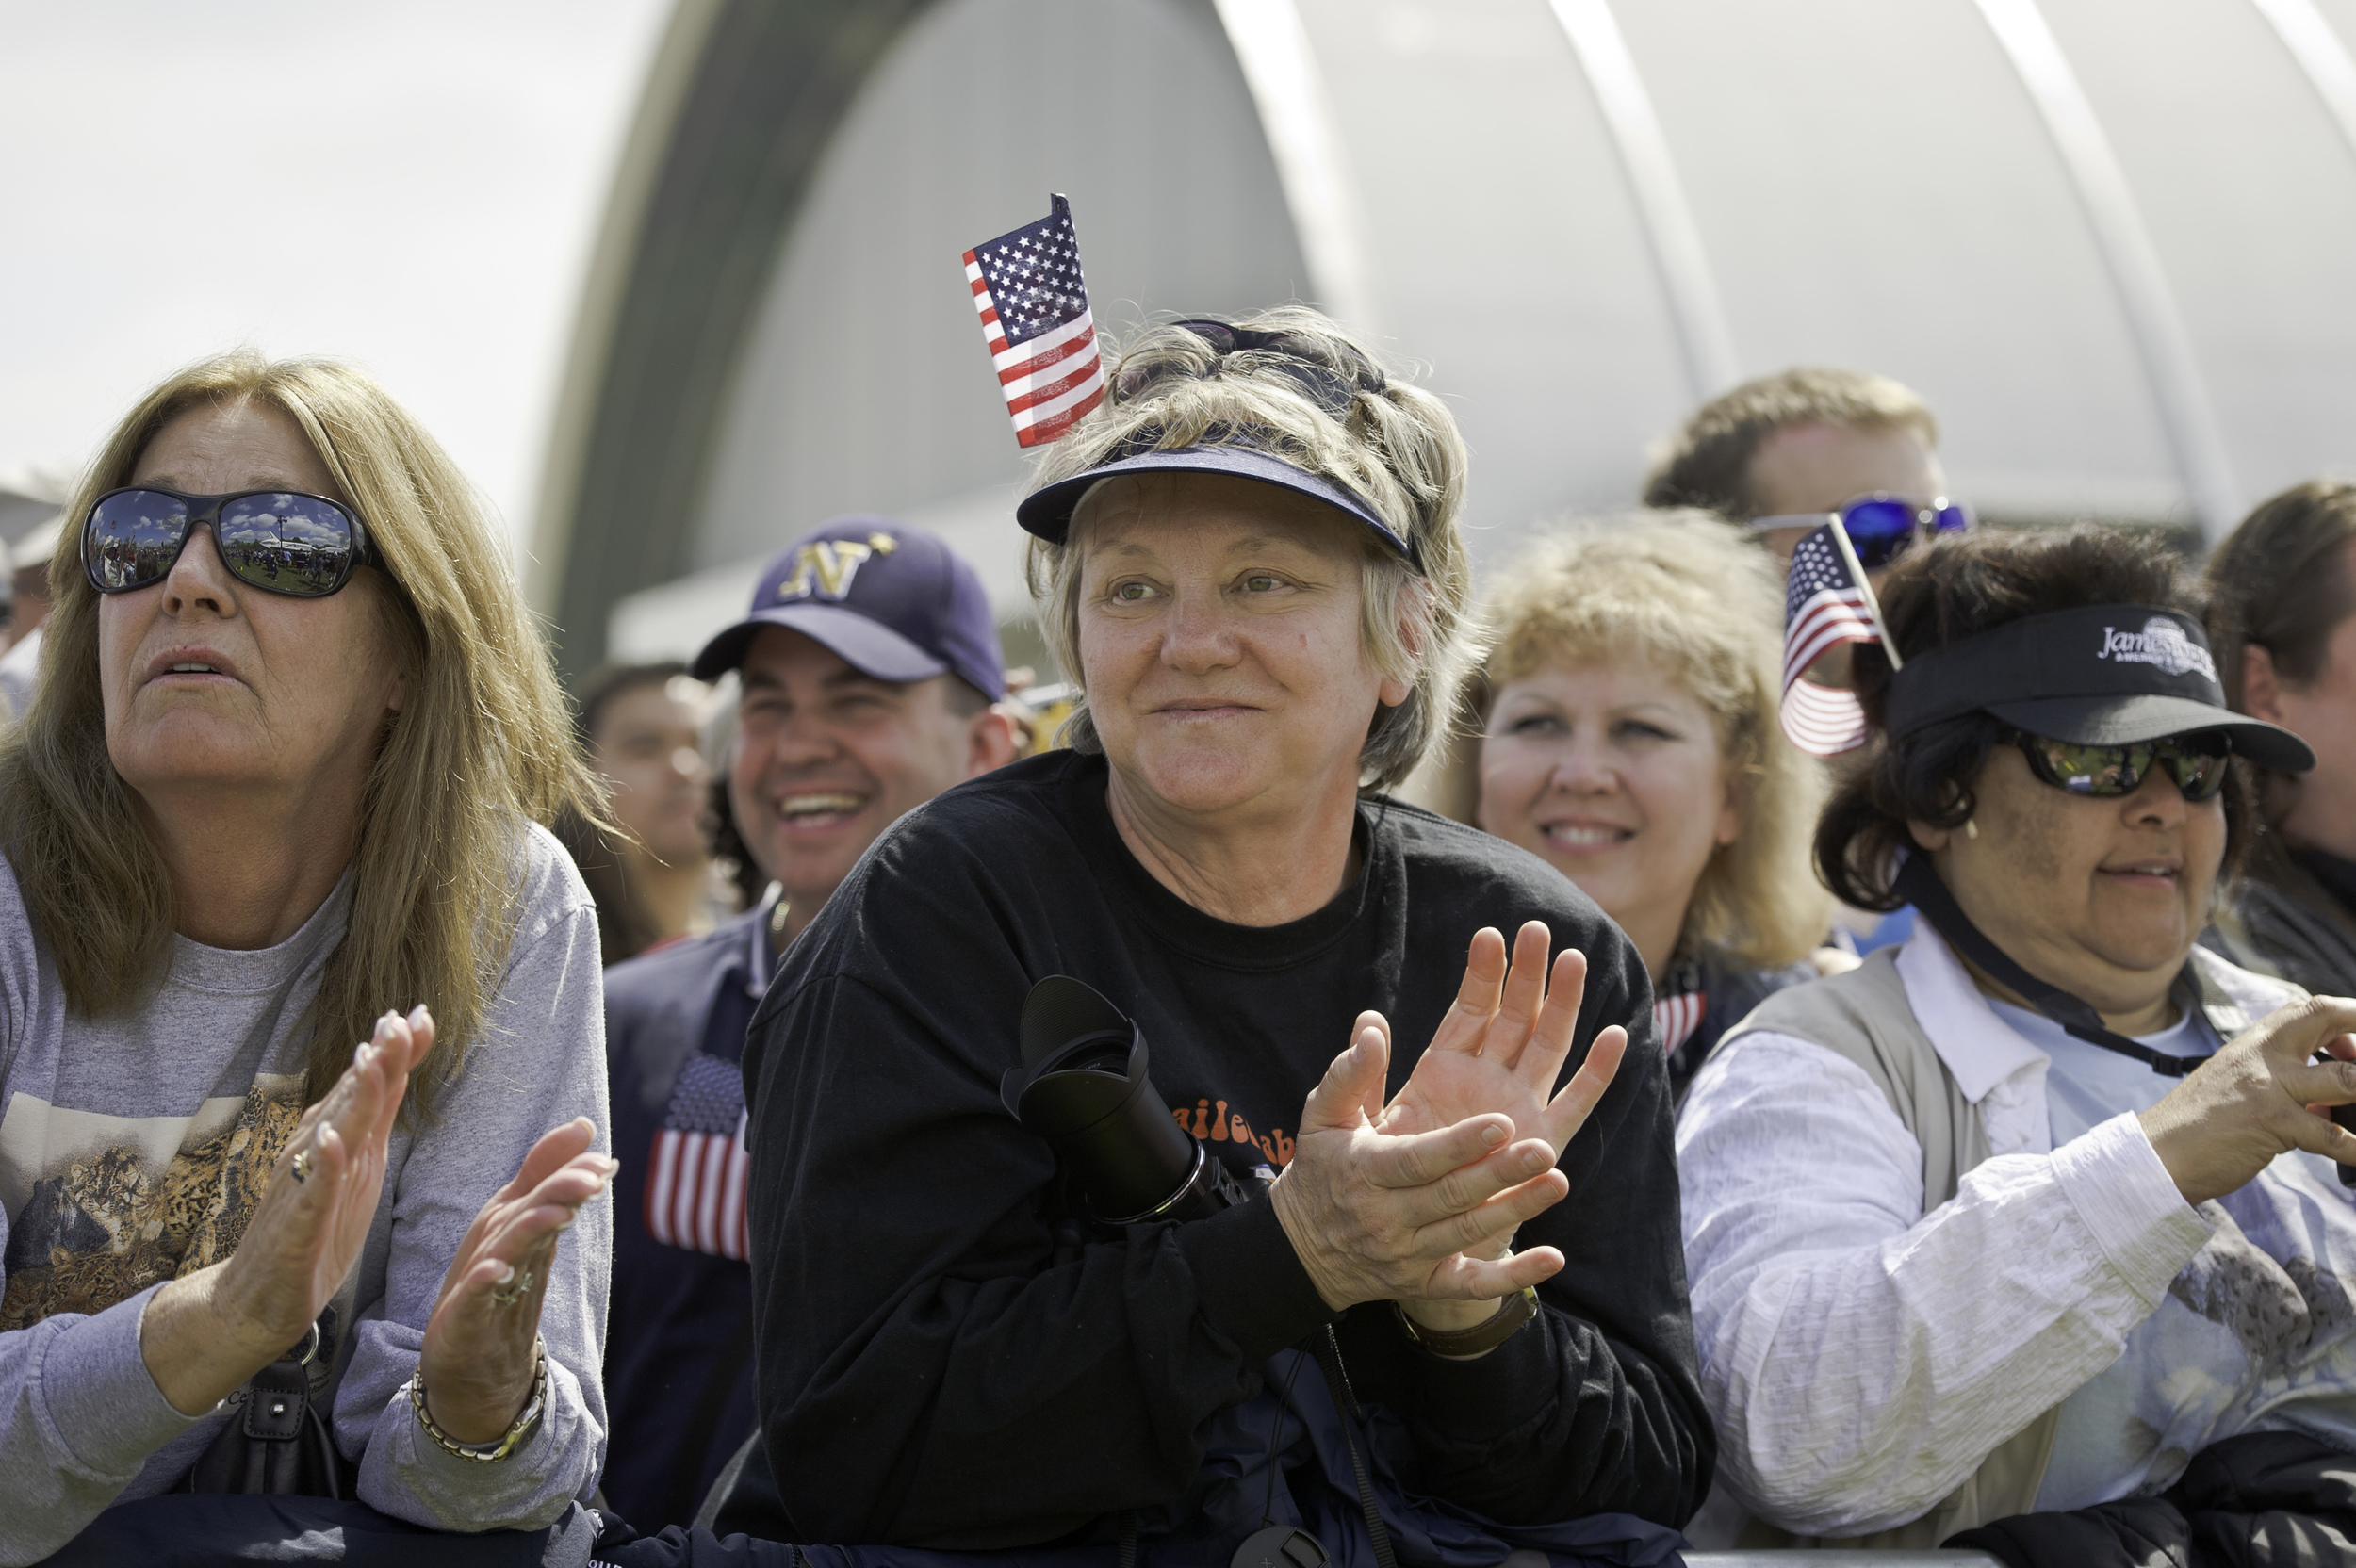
[2141,283]
[1692,288]
[2321,53]
[1312,164]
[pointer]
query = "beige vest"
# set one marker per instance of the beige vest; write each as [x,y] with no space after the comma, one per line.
[1864,1016]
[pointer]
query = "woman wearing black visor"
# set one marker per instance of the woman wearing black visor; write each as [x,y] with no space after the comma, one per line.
[2039,1213]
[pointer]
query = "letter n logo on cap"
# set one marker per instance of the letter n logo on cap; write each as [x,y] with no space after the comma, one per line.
[825,569]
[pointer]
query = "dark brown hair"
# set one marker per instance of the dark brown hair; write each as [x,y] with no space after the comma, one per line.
[606,685]
[1958,587]
[626,927]
[727,843]
[1706,462]
[2281,581]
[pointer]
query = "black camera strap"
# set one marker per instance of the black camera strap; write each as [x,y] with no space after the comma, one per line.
[1917,882]
[1328,1351]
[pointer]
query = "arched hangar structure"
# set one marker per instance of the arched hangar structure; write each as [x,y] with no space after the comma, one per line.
[2114,241]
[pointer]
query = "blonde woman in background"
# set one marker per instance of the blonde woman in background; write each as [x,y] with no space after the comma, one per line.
[1628,737]
[276,792]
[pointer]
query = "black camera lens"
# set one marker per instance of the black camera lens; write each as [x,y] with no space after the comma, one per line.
[1085,1088]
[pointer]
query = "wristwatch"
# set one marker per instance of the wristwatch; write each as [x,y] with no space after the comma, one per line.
[515,1437]
[1500,1326]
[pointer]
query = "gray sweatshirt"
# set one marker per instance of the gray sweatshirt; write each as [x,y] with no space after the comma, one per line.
[133,1149]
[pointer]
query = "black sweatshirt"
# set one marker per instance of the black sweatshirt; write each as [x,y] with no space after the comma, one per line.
[928,1376]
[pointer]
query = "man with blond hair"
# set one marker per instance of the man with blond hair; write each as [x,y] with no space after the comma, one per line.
[1782,451]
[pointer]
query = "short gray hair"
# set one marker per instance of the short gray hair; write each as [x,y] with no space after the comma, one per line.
[1395,446]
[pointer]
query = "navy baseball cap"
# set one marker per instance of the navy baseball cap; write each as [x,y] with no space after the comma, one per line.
[893,601]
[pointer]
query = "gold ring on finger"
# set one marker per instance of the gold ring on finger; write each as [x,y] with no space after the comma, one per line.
[299,1167]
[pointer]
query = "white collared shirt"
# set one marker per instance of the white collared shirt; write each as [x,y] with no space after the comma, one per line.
[1862,1357]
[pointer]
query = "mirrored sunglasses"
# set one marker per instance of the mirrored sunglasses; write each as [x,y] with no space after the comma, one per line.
[1881,526]
[2198,763]
[279,540]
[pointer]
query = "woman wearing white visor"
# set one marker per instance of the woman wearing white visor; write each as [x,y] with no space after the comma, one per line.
[2037,1214]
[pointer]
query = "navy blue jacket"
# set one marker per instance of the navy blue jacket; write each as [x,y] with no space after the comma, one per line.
[678,1385]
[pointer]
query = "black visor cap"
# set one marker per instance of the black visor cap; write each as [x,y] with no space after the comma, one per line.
[1047,510]
[2101,675]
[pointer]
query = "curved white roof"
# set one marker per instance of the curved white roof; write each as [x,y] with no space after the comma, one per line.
[2111,241]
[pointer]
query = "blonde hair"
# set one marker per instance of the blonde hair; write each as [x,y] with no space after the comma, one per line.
[1706,462]
[1691,594]
[483,746]
[1395,446]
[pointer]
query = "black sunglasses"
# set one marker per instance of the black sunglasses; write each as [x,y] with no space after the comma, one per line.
[2198,763]
[279,540]
[1332,373]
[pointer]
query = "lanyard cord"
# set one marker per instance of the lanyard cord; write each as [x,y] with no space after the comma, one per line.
[1919,884]
[1328,1351]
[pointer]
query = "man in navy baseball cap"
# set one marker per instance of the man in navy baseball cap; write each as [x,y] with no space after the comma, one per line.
[869,667]
[870,680]
[893,601]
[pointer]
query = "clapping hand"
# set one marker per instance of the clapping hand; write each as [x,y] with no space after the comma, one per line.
[206,1334]
[480,1360]
[1503,1044]
[1412,1200]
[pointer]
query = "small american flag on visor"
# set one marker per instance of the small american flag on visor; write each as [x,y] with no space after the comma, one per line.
[1035,317]
[1826,602]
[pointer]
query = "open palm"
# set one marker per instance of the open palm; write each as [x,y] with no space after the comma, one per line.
[1417,1200]
[1502,1045]
[307,1231]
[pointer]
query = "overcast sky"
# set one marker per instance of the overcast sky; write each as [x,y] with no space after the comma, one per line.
[414,185]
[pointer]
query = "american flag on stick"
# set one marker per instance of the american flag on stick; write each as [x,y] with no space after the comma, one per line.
[1826,602]
[1034,306]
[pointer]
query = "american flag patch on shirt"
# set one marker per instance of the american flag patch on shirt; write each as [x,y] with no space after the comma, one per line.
[1034,306]
[1677,1017]
[695,1195]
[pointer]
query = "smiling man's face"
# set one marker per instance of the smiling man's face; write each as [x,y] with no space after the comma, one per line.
[828,758]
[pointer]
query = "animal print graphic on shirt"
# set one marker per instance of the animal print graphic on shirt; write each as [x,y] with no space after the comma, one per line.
[2276,1310]
[103,1225]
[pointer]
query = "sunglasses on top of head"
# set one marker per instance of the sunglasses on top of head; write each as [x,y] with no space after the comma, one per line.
[2198,763]
[279,540]
[1880,525]
[1332,374]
